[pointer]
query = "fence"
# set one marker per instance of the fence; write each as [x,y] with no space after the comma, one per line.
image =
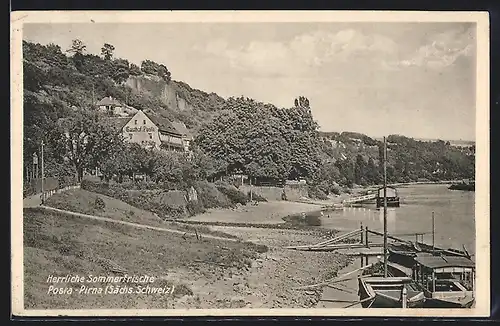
[48,193]
[34,186]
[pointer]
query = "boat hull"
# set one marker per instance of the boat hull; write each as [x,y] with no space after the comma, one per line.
[385,298]
[384,301]
[448,303]
[391,202]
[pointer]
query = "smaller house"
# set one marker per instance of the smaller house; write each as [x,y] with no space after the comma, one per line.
[113,107]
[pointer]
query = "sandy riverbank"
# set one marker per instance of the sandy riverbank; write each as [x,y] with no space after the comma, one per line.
[272,279]
[263,213]
[256,272]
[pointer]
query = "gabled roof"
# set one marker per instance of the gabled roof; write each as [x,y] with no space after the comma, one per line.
[164,125]
[181,128]
[444,261]
[118,122]
[109,101]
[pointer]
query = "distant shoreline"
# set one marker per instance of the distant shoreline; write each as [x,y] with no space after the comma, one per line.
[414,183]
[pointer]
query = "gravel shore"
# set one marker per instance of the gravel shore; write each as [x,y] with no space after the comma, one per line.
[272,279]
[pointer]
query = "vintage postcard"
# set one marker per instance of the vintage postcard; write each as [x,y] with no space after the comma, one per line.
[284,163]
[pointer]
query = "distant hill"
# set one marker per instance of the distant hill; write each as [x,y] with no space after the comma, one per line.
[55,83]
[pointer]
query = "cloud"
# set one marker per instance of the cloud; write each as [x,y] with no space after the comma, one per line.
[442,51]
[305,51]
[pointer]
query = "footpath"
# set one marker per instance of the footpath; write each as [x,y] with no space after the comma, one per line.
[36,200]
[32,201]
[136,225]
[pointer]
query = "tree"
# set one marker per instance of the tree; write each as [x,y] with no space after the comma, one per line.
[78,48]
[163,73]
[302,136]
[359,170]
[372,173]
[85,141]
[134,70]
[264,141]
[121,70]
[107,51]
[152,68]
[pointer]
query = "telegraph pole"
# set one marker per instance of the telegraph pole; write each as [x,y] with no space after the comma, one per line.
[433,233]
[43,174]
[385,208]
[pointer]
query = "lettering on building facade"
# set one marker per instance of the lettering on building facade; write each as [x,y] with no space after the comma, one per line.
[140,129]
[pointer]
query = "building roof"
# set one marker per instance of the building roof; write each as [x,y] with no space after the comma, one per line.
[444,261]
[109,101]
[164,125]
[118,122]
[181,128]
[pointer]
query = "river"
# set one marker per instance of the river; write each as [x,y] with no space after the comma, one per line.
[453,216]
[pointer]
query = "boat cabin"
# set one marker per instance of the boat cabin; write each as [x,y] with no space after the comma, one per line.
[391,194]
[448,280]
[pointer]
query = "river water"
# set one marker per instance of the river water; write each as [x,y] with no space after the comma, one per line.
[454,221]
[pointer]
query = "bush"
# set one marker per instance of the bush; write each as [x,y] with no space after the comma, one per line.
[336,190]
[232,193]
[182,290]
[313,220]
[195,207]
[304,219]
[256,197]
[130,214]
[316,193]
[210,196]
[99,204]
[163,203]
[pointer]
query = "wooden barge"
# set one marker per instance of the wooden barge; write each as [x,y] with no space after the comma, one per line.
[392,197]
[446,276]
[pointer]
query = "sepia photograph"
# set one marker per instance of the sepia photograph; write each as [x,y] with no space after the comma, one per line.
[250,163]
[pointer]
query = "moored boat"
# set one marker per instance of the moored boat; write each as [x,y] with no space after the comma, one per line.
[448,281]
[387,292]
[391,197]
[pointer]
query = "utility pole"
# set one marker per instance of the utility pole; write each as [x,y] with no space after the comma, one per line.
[43,174]
[385,208]
[433,233]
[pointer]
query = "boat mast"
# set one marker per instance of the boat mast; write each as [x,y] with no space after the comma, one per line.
[385,208]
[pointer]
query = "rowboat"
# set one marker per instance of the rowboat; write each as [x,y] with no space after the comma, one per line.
[387,292]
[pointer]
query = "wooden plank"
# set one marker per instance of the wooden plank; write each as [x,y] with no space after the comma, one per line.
[341,237]
[360,302]
[329,247]
[390,237]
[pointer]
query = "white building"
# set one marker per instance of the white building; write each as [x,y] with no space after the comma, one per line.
[113,107]
[152,131]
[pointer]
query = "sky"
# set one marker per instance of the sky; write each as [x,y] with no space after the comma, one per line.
[413,79]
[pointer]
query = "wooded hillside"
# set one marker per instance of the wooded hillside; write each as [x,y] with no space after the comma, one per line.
[235,135]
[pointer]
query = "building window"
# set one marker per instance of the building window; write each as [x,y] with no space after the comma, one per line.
[143,122]
[150,136]
[135,121]
[130,136]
